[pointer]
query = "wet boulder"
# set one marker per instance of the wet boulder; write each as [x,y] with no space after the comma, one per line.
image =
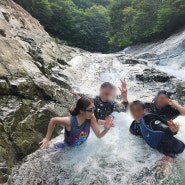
[150,75]
[31,91]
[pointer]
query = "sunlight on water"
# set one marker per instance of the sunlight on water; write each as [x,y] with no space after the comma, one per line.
[119,157]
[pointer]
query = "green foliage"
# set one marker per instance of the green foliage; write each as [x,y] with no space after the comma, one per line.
[84,4]
[144,20]
[93,29]
[171,16]
[107,25]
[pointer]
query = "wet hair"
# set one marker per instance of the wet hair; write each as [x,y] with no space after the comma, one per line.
[162,92]
[168,94]
[107,84]
[81,104]
[137,103]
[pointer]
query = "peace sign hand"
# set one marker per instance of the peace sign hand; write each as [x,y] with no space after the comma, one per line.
[123,84]
[123,89]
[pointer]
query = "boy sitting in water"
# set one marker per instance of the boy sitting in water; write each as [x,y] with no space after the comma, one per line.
[168,144]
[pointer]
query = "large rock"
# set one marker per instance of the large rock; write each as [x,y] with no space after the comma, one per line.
[32,87]
[152,75]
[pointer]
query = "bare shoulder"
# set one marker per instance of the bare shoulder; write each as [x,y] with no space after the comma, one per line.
[62,120]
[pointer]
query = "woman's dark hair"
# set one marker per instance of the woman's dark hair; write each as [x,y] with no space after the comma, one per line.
[81,104]
[107,84]
[137,103]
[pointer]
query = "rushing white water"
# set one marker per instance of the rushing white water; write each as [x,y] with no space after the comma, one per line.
[119,157]
[172,68]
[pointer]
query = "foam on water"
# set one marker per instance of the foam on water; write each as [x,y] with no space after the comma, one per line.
[174,69]
[119,157]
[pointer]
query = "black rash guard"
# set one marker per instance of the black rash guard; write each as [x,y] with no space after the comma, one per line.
[166,113]
[104,109]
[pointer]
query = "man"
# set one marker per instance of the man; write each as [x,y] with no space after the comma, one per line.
[164,106]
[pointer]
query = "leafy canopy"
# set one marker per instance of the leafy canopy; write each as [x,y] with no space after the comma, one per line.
[107,25]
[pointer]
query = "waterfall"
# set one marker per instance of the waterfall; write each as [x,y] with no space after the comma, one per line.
[119,157]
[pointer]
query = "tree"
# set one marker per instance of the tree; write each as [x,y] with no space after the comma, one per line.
[107,25]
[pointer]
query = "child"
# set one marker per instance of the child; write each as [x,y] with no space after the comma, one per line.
[77,126]
[148,127]
[105,103]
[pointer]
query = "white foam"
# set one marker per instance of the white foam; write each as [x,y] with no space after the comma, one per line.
[119,157]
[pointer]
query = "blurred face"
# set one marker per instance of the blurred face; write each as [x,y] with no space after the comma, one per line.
[137,112]
[107,93]
[161,101]
[89,111]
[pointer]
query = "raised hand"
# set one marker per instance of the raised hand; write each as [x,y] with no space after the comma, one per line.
[108,123]
[123,89]
[174,127]
[123,84]
[44,143]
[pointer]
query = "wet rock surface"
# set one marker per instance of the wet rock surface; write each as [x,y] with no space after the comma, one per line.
[32,88]
[36,75]
[150,75]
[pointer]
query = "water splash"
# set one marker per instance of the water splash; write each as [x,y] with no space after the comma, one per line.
[119,157]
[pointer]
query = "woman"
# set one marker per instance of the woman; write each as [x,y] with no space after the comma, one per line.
[77,126]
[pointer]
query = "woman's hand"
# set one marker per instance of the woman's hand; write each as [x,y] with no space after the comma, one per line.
[44,143]
[73,92]
[174,127]
[108,123]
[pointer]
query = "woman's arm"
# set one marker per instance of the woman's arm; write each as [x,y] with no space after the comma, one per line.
[101,122]
[80,94]
[65,121]
[108,124]
[180,108]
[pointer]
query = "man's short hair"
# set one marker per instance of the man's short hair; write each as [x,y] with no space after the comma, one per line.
[108,84]
[137,103]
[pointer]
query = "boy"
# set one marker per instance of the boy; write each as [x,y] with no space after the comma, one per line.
[168,144]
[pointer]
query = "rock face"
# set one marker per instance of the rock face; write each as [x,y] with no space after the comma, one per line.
[152,75]
[32,86]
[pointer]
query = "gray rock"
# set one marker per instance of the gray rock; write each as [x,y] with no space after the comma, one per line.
[150,75]
[31,91]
